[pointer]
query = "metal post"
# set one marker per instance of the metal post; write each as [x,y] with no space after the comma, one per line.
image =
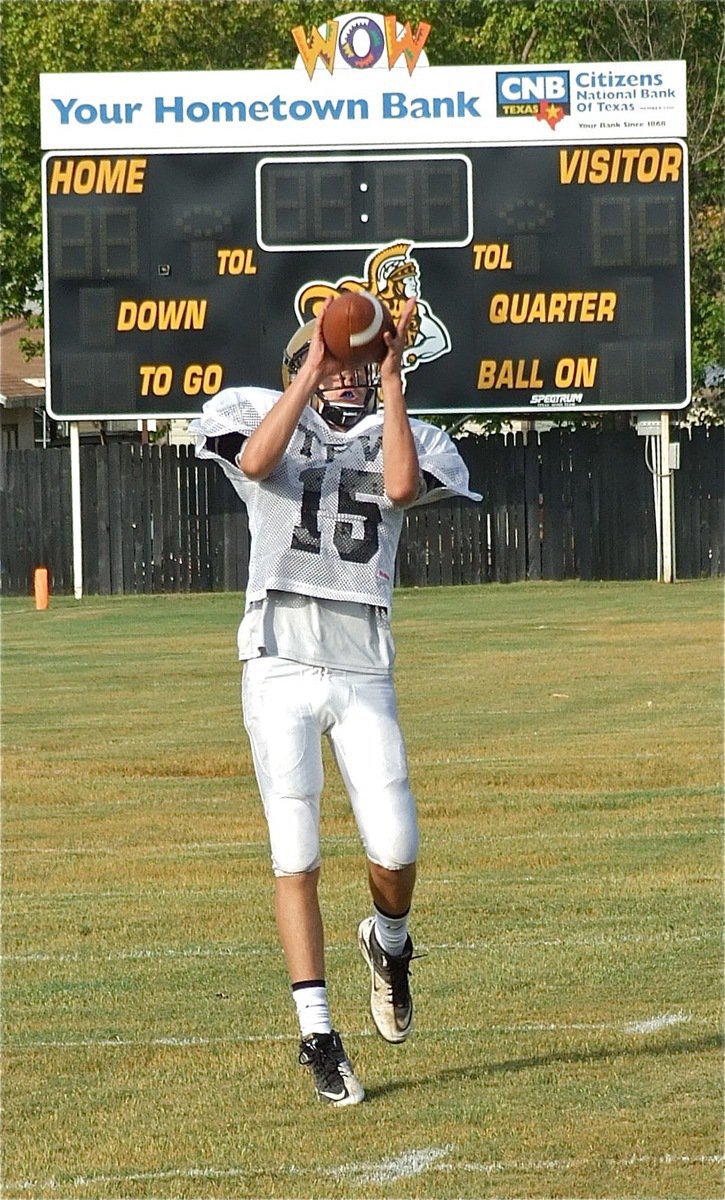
[667,501]
[75,483]
[656,469]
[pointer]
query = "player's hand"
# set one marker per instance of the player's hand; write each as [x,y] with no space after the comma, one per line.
[319,363]
[396,343]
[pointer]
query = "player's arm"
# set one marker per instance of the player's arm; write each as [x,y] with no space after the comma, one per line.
[401,472]
[264,448]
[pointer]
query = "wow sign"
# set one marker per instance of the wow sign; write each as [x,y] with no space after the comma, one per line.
[361,41]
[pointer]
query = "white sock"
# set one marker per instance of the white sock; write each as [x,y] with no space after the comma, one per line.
[313,1013]
[391,932]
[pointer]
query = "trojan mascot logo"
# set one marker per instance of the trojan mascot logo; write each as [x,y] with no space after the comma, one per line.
[394,275]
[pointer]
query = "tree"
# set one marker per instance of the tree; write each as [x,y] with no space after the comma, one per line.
[693,30]
[128,35]
[620,31]
[110,35]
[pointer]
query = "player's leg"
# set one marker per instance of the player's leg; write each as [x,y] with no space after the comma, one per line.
[370,753]
[299,923]
[284,734]
[392,891]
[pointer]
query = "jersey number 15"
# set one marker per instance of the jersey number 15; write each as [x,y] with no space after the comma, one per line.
[307,535]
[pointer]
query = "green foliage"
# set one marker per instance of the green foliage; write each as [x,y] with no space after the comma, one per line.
[693,30]
[163,35]
[111,35]
[497,31]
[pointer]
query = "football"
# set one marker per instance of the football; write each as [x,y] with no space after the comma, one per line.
[353,328]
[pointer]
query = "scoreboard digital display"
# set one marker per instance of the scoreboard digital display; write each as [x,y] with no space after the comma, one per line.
[548,277]
[342,203]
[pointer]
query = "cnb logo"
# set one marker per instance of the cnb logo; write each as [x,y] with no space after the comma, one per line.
[540,94]
[361,41]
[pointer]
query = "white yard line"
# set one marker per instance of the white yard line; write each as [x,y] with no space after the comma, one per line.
[53,1184]
[534,1166]
[171,1041]
[176,1041]
[168,850]
[386,1171]
[175,848]
[154,953]
[654,1024]
[390,1170]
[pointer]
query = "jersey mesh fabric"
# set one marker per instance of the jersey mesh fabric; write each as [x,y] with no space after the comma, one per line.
[321,524]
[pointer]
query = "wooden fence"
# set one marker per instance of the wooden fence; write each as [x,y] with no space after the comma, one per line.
[559,505]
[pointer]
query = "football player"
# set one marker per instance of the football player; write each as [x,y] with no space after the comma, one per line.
[326,479]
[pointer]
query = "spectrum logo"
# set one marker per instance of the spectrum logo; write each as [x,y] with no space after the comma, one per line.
[540,94]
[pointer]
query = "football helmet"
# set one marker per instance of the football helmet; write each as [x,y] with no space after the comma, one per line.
[337,412]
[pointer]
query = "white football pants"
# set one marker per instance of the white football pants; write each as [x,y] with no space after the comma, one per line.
[287,708]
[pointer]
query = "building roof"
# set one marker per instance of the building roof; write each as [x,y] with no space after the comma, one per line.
[22,380]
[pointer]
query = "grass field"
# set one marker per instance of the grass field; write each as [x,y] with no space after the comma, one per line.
[566,750]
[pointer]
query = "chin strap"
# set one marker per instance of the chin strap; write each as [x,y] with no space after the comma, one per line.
[345,416]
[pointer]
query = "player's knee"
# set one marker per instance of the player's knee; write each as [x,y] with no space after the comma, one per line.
[391,835]
[294,837]
[391,864]
[295,858]
[288,868]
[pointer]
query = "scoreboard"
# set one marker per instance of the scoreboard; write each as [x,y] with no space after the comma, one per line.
[558,272]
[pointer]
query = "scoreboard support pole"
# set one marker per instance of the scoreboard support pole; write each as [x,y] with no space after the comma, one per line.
[75,483]
[667,503]
[662,468]
[662,460]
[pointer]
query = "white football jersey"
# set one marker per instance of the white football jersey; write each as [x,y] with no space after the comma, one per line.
[321,524]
